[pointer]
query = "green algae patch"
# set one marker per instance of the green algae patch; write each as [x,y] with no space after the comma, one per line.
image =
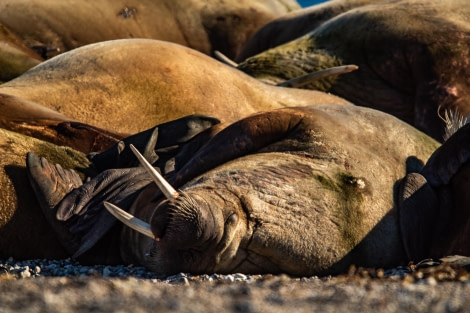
[292,60]
[348,213]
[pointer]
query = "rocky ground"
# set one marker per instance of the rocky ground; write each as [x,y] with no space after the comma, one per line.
[68,287]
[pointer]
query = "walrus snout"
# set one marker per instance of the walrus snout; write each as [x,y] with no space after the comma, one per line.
[180,221]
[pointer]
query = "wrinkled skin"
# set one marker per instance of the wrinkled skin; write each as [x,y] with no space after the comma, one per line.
[47,27]
[24,230]
[295,24]
[413,58]
[112,85]
[433,202]
[246,193]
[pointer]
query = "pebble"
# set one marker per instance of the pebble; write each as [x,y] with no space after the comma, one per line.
[69,268]
[429,273]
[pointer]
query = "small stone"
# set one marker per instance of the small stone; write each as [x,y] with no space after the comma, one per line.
[431,281]
[240,277]
[107,272]
[25,273]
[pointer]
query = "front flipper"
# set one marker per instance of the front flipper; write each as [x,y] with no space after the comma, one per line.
[241,138]
[75,210]
[418,209]
[51,183]
[160,143]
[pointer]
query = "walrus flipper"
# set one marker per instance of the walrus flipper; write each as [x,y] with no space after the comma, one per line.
[51,183]
[75,210]
[160,143]
[418,209]
[244,137]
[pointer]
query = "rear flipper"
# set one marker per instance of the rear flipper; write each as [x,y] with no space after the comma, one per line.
[74,210]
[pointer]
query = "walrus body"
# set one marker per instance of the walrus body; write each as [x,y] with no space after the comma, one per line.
[129,85]
[51,27]
[307,190]
[32,119]
[413,57]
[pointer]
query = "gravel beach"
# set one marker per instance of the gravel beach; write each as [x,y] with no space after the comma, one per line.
[65,286]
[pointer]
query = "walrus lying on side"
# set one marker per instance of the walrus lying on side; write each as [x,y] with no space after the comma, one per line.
[304,191]
[113,84]
[413,55]
[32,32]
[24,231]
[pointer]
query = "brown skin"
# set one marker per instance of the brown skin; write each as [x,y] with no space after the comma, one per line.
[295,24]
[325,170]
[34,120]
[15,57]
[203,25]
[24,232]
[412,58]
[127,86]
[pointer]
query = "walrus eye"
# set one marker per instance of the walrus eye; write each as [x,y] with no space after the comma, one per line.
[169,192]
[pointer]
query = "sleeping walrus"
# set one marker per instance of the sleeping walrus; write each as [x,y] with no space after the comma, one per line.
[113,84]
[32,32]
[413,55]
[304,191]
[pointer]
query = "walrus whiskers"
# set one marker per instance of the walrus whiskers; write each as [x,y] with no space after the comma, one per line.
[169,192]
[453,119]
[130,220]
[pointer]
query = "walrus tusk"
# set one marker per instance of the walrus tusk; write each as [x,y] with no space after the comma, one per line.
[169,192]
[130,220]
[224,59]
[310,77]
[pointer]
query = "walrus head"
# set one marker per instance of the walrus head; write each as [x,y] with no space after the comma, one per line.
[188,232]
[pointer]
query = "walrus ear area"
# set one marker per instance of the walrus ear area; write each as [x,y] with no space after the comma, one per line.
[418,207]
[160,143]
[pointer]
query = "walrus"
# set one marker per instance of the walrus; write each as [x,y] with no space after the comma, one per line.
[24,231]
[412,56]
[303,190]
[294,24]
[113,84]
[54,26]
[15,57]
